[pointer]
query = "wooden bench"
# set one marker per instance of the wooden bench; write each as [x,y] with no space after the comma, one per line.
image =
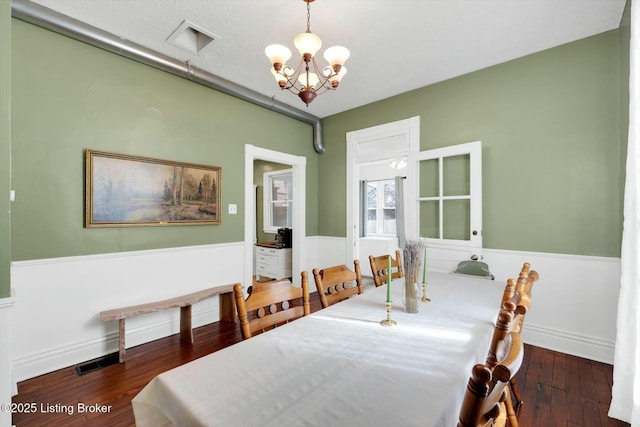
[226,303]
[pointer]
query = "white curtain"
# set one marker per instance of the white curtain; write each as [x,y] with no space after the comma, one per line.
[625,403]
[400,228]
[364,213]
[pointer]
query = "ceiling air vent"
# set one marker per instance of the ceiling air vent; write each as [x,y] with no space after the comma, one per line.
[191,37]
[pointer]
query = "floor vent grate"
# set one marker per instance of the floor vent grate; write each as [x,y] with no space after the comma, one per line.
[94,365]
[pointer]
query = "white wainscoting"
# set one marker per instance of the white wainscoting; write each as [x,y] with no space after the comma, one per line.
[55,319]
[374,246]
[575,303]
[58,301]
[56,315]
[325,252]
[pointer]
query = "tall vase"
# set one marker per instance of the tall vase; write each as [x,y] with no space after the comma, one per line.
[411,296]
[413,251]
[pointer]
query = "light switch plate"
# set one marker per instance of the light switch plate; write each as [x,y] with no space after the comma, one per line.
[233,209]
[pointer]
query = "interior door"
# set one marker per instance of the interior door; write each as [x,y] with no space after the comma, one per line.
[446,201]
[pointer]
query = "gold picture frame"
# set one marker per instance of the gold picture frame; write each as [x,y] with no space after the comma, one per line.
[128,191]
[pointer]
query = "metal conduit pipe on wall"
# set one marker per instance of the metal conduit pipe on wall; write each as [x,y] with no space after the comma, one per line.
[47,18]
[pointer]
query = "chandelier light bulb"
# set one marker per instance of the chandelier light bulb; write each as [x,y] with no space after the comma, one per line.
[307,43]
[277,54]
[336,55]
[398,164]
[313,80]
[335,79]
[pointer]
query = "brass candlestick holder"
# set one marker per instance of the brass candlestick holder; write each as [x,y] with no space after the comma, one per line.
[424,293]
[388,321]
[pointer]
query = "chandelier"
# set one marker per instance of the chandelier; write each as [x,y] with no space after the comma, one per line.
[307,80]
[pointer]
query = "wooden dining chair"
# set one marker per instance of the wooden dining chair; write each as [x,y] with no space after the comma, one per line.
[335,284]
[380,264]
[518,301]
[487,400]
[525,268]
[509,293]
[505,371]
[516,297]
[501,351]
[271,304]
[498,346]
[526,279]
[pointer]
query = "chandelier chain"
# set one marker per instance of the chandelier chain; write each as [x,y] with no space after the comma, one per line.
[308,17]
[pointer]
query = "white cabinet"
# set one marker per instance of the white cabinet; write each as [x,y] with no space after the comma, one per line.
[272,262]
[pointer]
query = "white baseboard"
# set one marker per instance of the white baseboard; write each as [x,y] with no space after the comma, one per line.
[67,355]
[579,345]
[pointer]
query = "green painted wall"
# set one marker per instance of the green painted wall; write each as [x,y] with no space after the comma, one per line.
[553,149]
[5,147]
[69,96]
[550,123]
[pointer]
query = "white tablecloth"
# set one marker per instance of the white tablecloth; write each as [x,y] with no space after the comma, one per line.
[339,366]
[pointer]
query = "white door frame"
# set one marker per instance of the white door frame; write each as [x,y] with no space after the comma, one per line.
[298,164]
[408,128]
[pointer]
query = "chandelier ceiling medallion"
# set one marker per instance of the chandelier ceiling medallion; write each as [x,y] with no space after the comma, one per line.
[307,80]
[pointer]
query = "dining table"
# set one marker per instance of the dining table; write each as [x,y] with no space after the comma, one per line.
[339,366]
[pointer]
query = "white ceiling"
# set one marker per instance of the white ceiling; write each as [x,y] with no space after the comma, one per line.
[396,45]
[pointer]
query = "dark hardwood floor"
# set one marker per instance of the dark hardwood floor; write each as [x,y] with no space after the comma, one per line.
[558,389]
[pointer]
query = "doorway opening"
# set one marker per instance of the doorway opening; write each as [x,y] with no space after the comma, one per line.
[370,153]
[298,215]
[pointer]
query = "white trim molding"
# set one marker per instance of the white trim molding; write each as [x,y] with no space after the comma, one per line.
[298,164]
[387,141]
[8,386]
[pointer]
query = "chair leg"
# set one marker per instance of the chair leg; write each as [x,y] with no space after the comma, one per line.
[515,392]
[511,414]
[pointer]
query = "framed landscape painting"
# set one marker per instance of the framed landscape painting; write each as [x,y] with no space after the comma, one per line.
[124,191]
